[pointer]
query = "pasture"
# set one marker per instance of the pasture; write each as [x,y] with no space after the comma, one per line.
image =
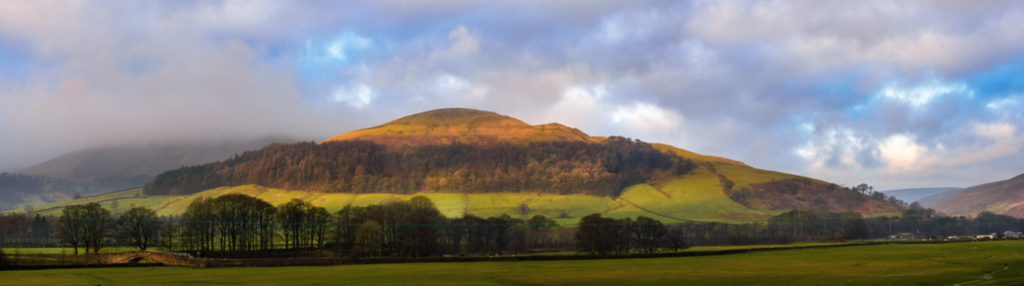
[984,263]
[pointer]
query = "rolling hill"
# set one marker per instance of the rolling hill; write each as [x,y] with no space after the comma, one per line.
[482,163]
[1003,197]
[103,170]
[917,194]
[930,201]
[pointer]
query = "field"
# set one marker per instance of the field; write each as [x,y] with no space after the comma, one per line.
[987,263]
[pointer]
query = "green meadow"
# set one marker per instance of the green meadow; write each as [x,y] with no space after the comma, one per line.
[986,263]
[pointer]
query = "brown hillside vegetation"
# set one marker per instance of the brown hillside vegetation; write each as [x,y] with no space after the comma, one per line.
[1004,197]
[600,169]
[805,194]
[466,126]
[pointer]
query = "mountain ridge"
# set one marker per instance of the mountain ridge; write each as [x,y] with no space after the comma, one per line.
[1002,197]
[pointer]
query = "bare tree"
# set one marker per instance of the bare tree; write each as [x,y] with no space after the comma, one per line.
[140,225]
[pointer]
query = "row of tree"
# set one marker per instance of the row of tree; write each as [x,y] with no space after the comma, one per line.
[603,236]
[602,169]
[235,225]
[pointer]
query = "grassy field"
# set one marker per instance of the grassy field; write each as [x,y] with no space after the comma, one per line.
[988,263]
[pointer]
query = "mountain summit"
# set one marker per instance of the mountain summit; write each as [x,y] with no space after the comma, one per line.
[462,125]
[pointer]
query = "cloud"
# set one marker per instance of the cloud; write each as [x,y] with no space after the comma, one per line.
[895,94]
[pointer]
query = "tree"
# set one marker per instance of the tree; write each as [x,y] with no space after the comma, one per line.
[675,239]
[649,234]
[319,220]
[596,235]
[293,218]
[368,239]
[541,223]
[97,219]
[71,227]
[3,259]
[84,225]
[140,225]
[421,202]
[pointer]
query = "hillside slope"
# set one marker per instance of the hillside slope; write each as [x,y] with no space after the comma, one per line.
[140,161]
[917,194]
[1003,197]
[463,156]
[114,168]
[930,201]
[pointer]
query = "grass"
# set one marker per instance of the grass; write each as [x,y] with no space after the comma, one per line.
[989,263]
[696,196]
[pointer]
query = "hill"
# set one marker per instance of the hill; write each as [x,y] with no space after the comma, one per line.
[930,201]
[916,194]
[140,161]
[464,161]
[466,126]
[108,169]
[1003,197]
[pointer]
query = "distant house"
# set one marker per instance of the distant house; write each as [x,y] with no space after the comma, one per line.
[1011,234]
[985,236]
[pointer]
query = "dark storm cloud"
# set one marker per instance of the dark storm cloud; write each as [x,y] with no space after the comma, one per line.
[896,94]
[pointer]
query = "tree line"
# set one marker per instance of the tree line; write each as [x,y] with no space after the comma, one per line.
[601,169]
[237,225]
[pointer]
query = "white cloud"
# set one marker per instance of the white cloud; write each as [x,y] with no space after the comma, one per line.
[235,14]
[356,95]
[646,118]
[1007,104]
[449,85]
[921,95]
[463,44]
[901,153]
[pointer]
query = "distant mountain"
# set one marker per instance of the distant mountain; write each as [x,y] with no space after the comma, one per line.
[148,161]
[108,169]
[1003,197]
[930,201]
[472,155]
[916,194]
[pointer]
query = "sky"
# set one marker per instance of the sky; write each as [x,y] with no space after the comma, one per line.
[895,94]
